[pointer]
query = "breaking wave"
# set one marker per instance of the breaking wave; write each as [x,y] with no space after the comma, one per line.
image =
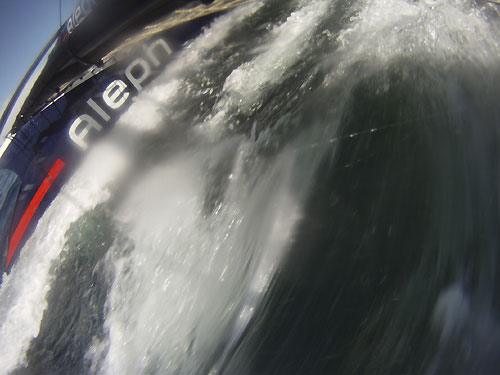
[309,187]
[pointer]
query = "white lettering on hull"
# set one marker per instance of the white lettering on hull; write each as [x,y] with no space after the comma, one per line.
[78,135]
[116,95]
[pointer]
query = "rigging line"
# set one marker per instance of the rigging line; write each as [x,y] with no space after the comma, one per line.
[60,13]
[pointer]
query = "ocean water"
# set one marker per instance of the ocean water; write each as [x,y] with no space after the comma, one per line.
[310,187]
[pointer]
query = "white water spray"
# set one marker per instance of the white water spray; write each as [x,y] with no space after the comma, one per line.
[23,291]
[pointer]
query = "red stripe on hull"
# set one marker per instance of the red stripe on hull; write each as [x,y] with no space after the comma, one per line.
[32,207]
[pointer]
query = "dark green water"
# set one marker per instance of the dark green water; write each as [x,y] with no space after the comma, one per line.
[394,268]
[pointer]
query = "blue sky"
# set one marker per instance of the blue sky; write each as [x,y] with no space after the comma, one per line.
[25,28]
